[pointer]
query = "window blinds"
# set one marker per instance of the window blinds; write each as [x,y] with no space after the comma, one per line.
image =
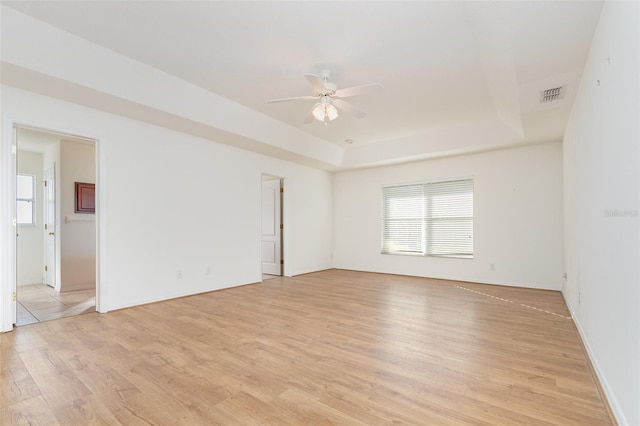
[25,197]
[429,219]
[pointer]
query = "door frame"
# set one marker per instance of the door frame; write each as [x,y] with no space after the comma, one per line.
[46,205]
[8,228]
[285,233]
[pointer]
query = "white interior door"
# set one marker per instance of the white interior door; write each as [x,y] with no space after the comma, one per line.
[50,227]
[271,232]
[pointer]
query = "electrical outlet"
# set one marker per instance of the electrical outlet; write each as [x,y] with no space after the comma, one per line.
[180,274]
[492,266]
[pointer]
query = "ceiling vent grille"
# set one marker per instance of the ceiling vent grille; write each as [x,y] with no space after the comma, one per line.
[552,94]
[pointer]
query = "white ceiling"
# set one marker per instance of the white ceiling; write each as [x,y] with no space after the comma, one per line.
[34,141]
[40,141]
[445,66]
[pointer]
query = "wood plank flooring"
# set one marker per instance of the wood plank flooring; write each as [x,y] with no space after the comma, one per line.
[333,347]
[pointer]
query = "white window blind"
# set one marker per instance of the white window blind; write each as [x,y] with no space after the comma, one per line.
[428,219]
[25,199]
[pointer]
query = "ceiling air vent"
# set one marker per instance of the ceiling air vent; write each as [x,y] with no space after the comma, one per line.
[552,94]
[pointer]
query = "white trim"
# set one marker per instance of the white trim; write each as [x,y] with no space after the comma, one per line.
[287,250]
[102,300]
[7,227]
[466,279]
[7,193]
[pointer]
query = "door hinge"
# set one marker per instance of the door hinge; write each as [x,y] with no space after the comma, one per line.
[281,189]
[14,222]
[45,268]
[282,261]
[45,183]
[14,149]
[14,297]
[281,226]
[45,226]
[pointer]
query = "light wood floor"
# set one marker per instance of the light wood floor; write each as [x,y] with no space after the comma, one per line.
[269,277]
[39,302]
[334,347]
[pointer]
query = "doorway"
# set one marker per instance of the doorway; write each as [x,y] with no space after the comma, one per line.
[56,249]
[272,227]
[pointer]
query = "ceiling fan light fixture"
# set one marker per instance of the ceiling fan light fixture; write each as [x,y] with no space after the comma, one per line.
[318,111]
[331,112]
[323,111]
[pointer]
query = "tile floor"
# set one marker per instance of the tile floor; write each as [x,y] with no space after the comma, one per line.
[39,302]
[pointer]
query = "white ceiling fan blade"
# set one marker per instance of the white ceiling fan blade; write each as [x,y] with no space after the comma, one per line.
[296,98]
[316,83]
[309,118]
[358,90]
[347,107]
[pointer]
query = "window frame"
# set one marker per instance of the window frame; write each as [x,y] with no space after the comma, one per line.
[32,200]
[423,243]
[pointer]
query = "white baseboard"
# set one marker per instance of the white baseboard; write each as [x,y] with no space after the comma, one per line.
[65,288]
[29,281]
[604,385]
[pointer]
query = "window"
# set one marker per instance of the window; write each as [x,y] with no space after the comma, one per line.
[428,219]
[25,199]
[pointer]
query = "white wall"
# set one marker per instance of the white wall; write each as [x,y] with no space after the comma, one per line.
[77,231]
[30,243]
[517,218]
[602,194]
[172,201]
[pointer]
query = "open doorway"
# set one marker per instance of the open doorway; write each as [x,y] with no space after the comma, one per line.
[55,240]
[272,228]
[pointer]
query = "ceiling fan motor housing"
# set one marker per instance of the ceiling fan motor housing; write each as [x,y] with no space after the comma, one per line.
[330,88]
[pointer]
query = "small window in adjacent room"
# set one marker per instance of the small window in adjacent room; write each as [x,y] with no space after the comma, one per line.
[25,199]
[428,219]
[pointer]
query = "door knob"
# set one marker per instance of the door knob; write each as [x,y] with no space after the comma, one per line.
[51,233]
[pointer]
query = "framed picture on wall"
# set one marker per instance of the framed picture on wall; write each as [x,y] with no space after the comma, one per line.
[85,197]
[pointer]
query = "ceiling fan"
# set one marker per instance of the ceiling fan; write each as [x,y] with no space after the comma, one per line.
[329,98]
